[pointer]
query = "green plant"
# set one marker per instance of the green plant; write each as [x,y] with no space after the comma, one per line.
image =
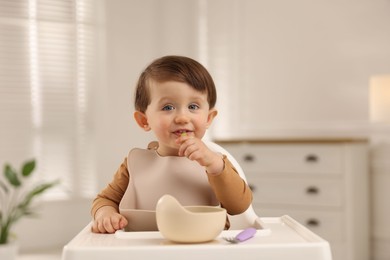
[16,196]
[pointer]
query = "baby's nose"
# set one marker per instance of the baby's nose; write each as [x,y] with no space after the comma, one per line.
[181,118]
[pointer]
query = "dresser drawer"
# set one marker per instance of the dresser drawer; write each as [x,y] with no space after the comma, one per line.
[311,192]
[289,158]
[327,224]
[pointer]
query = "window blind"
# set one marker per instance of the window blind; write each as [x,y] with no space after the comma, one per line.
[47,62]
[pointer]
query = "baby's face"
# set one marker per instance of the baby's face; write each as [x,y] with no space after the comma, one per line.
[176,108]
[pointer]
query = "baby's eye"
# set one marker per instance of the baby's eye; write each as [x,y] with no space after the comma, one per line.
[193,107]
[168,108]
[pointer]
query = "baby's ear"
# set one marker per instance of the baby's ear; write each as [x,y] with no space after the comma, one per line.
[212,114]
[141,120]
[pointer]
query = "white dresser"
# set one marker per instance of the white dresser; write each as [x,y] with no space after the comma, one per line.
[321,183]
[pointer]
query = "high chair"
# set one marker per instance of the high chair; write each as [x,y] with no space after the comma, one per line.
[289,240]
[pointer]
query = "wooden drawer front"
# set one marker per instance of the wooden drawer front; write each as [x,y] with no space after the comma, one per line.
[298,192]
[285,158]
[326,224]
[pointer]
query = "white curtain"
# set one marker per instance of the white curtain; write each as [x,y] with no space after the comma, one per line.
[47,70]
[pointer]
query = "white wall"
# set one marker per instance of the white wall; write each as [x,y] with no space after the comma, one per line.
[296,67]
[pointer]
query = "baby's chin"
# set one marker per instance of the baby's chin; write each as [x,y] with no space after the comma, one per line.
[169,150]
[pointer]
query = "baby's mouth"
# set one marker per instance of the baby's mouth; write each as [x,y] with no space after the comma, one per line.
[182,132]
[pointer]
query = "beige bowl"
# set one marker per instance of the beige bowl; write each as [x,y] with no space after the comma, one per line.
[188,224]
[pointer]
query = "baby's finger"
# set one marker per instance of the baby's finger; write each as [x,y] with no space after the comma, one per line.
[115,221]
[184,146]
[100,227]
[108,226]
[191,149]
[123,222]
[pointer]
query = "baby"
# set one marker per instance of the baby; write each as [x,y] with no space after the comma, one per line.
[175,99]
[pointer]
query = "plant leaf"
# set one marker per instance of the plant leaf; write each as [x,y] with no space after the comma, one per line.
[36,191]
[11,176]
[28,167]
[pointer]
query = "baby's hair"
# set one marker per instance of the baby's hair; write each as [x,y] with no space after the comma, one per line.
[174,68]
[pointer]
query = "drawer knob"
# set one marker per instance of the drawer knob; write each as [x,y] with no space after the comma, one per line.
[249,158]
[312,222]
[312,190]
[312,158]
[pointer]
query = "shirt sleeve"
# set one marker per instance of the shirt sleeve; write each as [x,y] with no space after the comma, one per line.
[231,190]
[112,194]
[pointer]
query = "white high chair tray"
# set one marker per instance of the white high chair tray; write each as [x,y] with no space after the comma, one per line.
[287,239]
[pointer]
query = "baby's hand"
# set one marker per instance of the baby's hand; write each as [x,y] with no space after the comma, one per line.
[196,150]
[108,220]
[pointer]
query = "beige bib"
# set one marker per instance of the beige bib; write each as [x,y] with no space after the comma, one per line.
[151,176]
